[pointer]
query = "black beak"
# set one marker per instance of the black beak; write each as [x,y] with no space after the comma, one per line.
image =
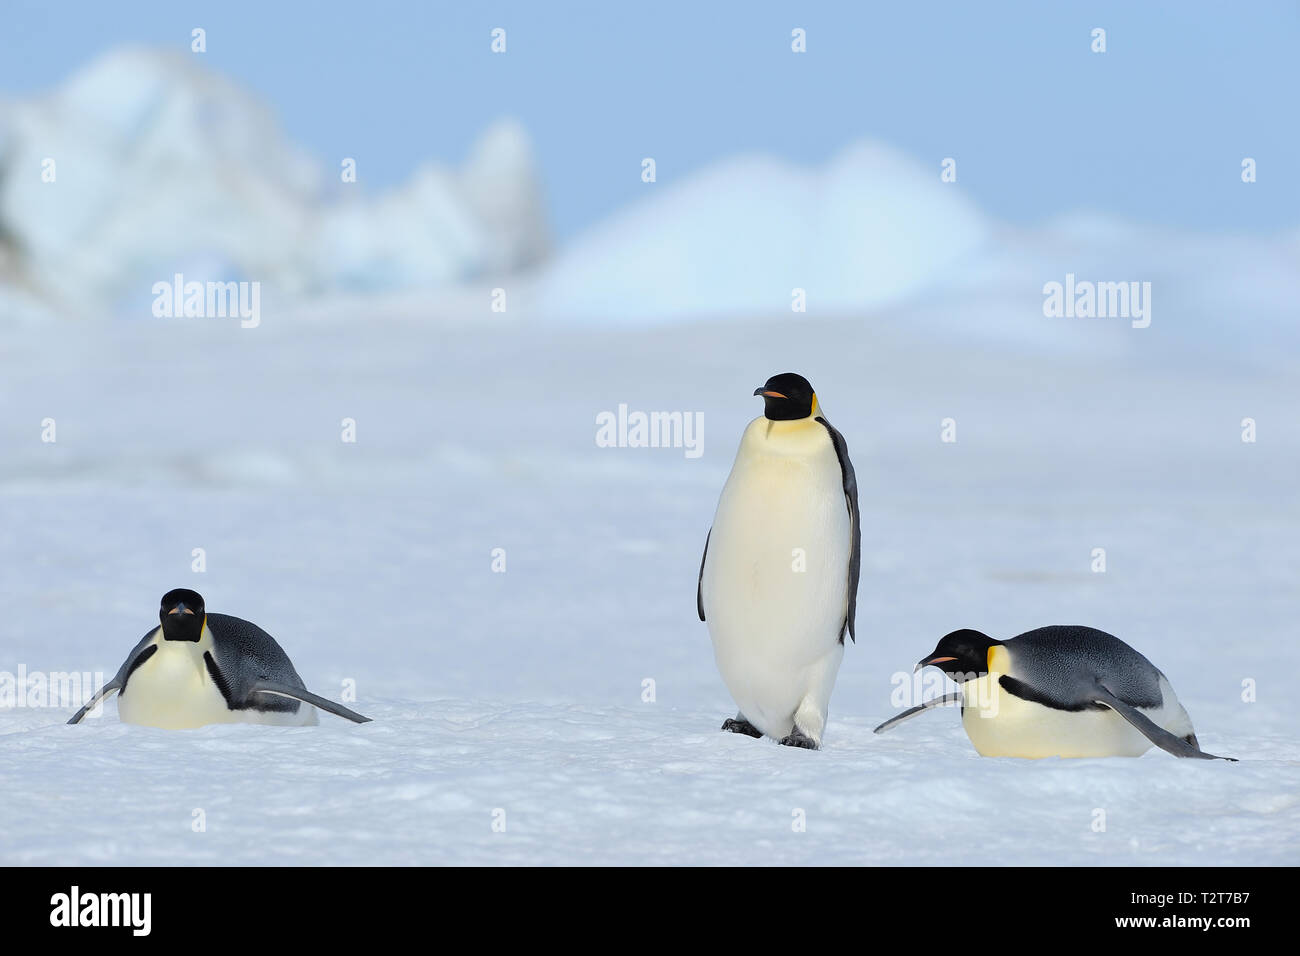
[927,661]
[767,393]
[178,609]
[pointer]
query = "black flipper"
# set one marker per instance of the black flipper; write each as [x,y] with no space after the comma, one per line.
[1151,731]
[307,697]
[913,711]
[851,499]
[102,694]
[256,674]
[142,651]
[699,585]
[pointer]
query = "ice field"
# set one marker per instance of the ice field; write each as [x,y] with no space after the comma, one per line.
[522,691]
[513,602]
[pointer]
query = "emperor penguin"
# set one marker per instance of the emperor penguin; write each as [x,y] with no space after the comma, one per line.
[778,581]
[1059,691]
[198,668]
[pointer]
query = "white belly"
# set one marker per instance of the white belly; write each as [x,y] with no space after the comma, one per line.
[174,690]
[775,582]
[1003,725]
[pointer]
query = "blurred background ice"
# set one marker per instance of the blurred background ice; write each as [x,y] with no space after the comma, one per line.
[475,428]
[774,170]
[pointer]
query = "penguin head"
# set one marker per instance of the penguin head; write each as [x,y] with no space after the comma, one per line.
[181,615]
[962,655]
[787,397]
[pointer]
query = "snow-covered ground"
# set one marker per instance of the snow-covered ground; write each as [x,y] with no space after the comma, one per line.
[521,696]
[522,691]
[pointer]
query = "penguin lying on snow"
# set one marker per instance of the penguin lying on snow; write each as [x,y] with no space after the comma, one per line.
[199,669]
[779,578]
[1061,691]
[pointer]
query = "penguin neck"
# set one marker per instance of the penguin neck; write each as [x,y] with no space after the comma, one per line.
[984,693]
[193,649]
[791,437]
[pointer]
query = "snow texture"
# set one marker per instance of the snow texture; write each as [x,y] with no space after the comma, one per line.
[523,690]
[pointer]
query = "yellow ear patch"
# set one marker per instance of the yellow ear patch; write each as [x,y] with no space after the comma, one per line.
[998,660]
[814,405]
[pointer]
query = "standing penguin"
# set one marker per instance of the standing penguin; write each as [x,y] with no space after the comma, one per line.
[1061,691]
[779,579]
[198,669]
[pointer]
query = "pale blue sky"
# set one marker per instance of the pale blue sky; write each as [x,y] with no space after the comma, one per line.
[1154,130]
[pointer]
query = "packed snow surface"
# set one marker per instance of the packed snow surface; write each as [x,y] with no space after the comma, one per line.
[514,604]
[522,698]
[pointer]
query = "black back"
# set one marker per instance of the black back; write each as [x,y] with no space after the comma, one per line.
[1060,666]
[245,654]
[850,480]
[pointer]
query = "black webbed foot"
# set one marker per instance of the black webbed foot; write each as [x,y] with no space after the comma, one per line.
[799,739]
[739,725]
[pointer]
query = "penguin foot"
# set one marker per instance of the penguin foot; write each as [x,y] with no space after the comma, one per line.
[739,725]
[799,739]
